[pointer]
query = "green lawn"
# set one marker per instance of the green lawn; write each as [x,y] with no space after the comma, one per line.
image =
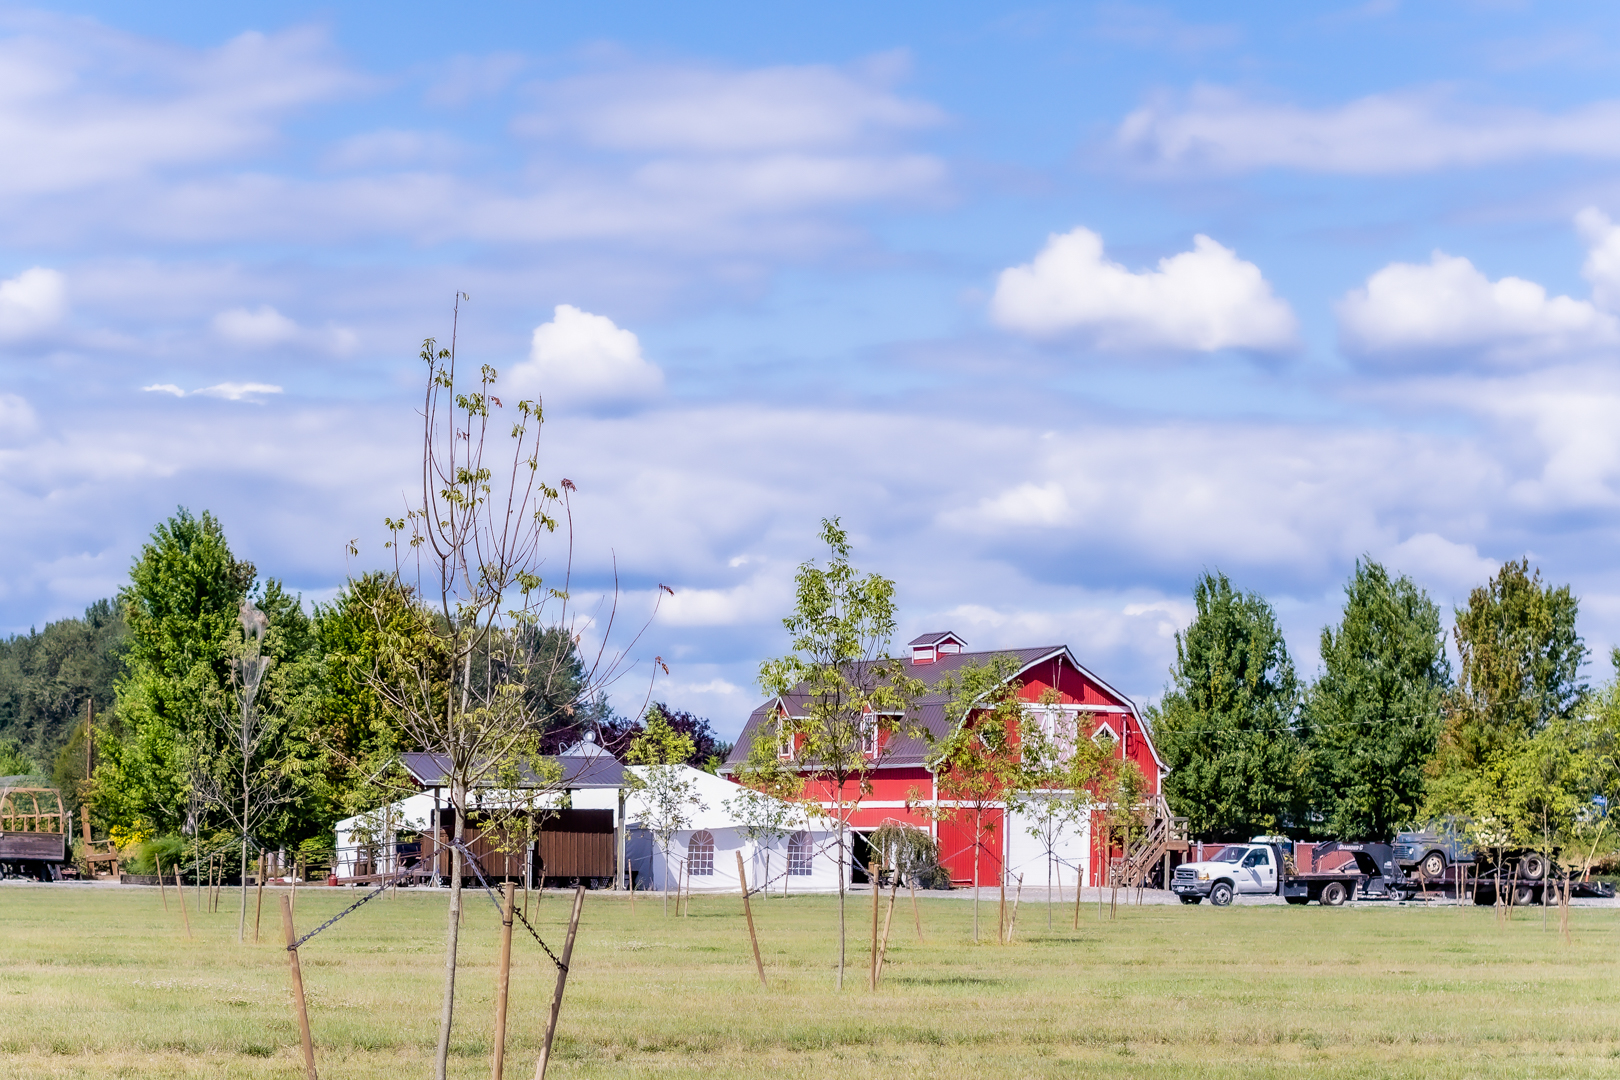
[101,982]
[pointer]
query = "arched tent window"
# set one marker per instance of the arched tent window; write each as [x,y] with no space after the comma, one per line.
[700,854]
[799,854]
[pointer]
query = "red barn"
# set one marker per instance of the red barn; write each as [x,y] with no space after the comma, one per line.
[904,789]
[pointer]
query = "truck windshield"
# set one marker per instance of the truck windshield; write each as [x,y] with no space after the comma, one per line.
[1231,854]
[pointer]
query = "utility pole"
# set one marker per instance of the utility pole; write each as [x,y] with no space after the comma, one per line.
[89,768]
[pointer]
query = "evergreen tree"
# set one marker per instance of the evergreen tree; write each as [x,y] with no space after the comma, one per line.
[1373,717]
[1227,724]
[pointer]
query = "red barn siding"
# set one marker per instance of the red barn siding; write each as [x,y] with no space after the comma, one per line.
[956,843]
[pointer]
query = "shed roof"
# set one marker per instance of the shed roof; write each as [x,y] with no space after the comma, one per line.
[581,768]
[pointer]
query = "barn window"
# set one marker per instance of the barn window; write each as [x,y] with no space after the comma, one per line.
[799,854]
[784,739]
[700,854]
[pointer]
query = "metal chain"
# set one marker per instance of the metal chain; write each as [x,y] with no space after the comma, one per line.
[369,896]
[472,860]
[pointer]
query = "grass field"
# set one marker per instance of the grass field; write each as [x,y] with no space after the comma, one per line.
[100,982]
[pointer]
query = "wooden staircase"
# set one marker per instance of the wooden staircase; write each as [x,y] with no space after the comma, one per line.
[1165,833]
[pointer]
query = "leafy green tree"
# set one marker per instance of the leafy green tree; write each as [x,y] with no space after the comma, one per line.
[353,735]
[1060,771]
[1227,726]
[181,603]
[1593,831]
[977,766]
[768,802]
[461,663]
[1372,719]
[48,676]
[853,697]
[1519,671]
[14,760]
[667,791]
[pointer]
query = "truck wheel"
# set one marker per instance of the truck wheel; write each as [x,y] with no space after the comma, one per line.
[1221,894]
[1333,894]
[1524,895]
[1533,867]
[1433,865]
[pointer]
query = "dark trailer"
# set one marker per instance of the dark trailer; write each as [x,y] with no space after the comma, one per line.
[33,833]
[1371,873]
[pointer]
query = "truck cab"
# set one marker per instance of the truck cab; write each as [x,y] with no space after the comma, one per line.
[1250,869]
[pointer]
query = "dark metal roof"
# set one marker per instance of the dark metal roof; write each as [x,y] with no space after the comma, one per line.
[598,770]
[909,750]
[934,639]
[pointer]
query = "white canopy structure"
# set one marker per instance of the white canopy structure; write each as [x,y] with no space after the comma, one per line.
[702,856]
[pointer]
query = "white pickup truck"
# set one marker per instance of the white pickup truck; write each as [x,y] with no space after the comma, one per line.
[1260,869]
[1239,868]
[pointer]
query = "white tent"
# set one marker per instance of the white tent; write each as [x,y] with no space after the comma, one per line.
[379,828]
[703,856]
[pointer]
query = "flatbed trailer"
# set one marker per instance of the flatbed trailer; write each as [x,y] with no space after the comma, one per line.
[1376,876]
[33,837]
[1264,868]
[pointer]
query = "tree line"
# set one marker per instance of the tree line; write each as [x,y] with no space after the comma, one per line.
[1390,734]
[156,661]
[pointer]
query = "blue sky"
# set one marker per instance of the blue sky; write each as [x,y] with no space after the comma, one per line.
[1056,306]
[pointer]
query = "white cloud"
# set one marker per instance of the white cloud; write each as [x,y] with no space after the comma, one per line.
[742,605]
[17,419]
[390,148]
[1379,134]
[582,359]
[230,391]
[257,329]
[1029,504]
[265,327]
[709,110]
[83,105]
[33,301]
[1198,301]
[1431,558]
[1449,306]
[238,391]
[112,136]
[1602,266]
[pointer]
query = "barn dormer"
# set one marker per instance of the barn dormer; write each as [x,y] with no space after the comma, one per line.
[930,647]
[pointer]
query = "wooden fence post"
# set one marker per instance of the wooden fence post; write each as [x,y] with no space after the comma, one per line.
[562,981]
[883,946]
[872,872]
[295,875]
[298,988]
[1012,923]
[503,980]
[181,889]
[748,912]
[162,889]
[258,908]
[1079,887]
[1001,909]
